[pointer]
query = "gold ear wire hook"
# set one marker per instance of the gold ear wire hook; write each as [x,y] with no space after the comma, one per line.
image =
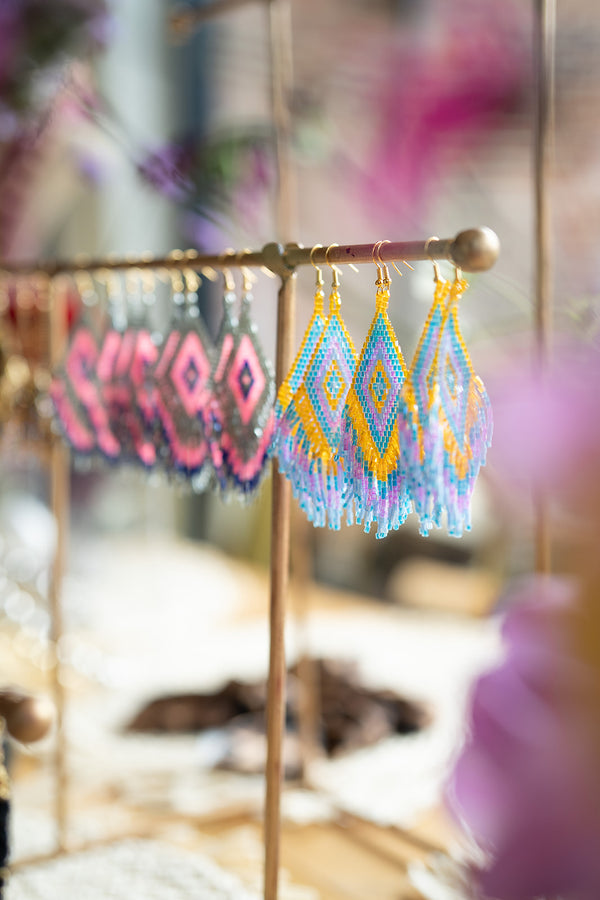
[227,274]
[210,273]
[379,245]
[317,269]
[148,277]
[191,280]
[111,282]
[332,266]
[385,272]
[376,263]
[85,286]
[436,269]
[177,284]
[248,279]
[132,281]
[229,280]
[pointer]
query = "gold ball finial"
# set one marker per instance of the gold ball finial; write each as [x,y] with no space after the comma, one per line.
[475,250]
[28,719]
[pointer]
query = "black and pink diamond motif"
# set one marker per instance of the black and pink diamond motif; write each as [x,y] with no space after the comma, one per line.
[182,378]
[243,393]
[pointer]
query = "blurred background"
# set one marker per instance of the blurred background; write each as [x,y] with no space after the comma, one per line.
[121,135]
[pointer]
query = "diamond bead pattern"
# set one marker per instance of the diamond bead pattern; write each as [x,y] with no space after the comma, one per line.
[369,447]
[181,393]
[241,409]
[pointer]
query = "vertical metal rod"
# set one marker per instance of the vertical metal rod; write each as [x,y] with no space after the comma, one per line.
[59,499]
[280,47]
[544,50]
[280,552]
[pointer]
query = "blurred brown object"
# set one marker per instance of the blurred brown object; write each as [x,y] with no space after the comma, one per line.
[28,719]
[432,584]
[352,715]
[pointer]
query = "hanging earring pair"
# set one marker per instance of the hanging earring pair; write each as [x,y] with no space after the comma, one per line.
[375,490]
[445,418]
[309,427]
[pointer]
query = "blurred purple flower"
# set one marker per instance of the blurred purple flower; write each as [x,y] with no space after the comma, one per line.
[208,235]
[102,28]
[167,170]
[546,428]
[527,782]
[91,167]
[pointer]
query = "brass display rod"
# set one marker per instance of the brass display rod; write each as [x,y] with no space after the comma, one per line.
[474,250]
[544,48]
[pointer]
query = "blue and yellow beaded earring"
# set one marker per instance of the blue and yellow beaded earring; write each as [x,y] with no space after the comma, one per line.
[310,428]
[445,417]
[370,440]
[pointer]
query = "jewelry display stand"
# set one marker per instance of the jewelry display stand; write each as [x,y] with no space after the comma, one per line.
[474,250]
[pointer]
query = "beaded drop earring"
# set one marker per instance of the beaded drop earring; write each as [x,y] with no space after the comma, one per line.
[243,391]
[467,415]
[445,417]
[370,447]
[182,378]
[310,429]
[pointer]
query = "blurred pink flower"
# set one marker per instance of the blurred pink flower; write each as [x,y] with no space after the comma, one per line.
[441,98]
[527,782]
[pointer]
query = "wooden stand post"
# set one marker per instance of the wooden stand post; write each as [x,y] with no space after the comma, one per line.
[59,501]
[280,552]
